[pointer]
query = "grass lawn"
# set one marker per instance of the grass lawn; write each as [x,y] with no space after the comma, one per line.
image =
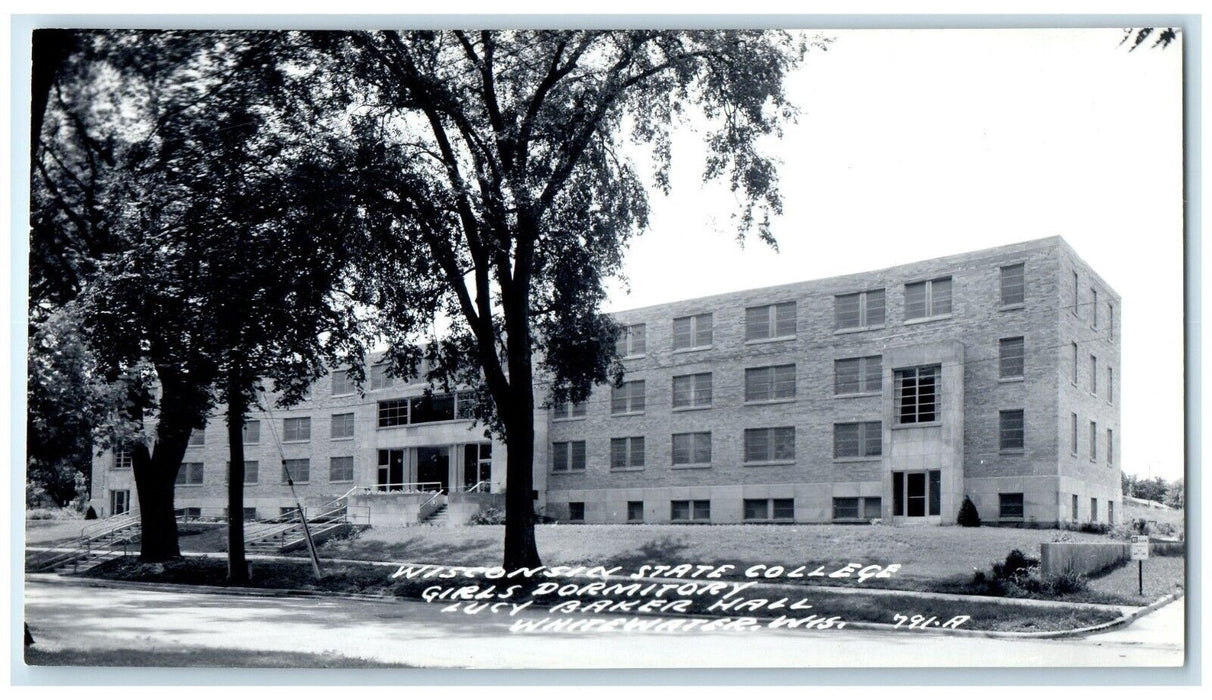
[1162,576]
[926,554]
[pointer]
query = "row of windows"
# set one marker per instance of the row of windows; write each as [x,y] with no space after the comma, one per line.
[340,469]
[752,510]
[1094,306]
[1093,439]
[1110,388]
[857,310]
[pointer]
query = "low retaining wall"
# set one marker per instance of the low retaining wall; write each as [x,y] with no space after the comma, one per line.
[1056,558]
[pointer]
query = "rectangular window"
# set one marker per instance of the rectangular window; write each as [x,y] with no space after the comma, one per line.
[190,474]
[858,375]
[1010,358]
[691,448]
[123,458]
[1094,375]
[928,299]
[340,469]
[1093,510]
[1073,379]
[769,445]
[771,321]
[846,509]
[393,413]
[756,509]
[692,332]
[1073,434]
[297,469]
[433,408]
[1075,293]
[252,432]
[565,410]
[1010,506]
[770,383]
[379,378]
[1111,512]
[251,471]
[690,510]
[342,426]
[632,341]
[1111,321]
[1073,509]
[628,398]
[627,453]
[249,513]
[1010,430]
[341,383]
[568,456]
[1110,447]
[192,513]
[768,508]
[872,507]
[635,511]
[197,438]
[1110,385]
[576,511]
[857,439]
[692,390]
[1093,307]
[1013,285]
[1093,441]
[917,395]
[296,429]
[859,310]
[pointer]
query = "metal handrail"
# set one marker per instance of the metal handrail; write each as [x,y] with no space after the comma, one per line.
[341,508]
[107,526]
[477,487]
[404,487]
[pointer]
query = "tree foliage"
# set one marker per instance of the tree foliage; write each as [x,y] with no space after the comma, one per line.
[500,190]
[1138,37]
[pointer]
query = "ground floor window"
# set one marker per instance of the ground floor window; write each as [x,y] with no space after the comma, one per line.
[635,511]
[857,509]
[1093,510]
[916,494]
[1073,509]
[690,510]
[1111,512]
[477,466]
[1010,506]
[188,513]
[576,511]
[250,513]
[769,509]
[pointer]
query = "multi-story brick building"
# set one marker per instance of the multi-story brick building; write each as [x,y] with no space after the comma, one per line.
[890,394]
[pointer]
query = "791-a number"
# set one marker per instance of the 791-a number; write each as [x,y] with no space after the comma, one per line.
[921,622]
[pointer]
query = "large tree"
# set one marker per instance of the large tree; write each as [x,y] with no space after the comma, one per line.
[230,246]
[501,189]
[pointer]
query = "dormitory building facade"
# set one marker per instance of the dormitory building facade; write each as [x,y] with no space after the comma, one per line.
[890,395]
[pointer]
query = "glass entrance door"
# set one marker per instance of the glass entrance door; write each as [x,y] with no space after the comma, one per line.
[477,466]
[391,470]
[119,502]
[916,494]
[433,468]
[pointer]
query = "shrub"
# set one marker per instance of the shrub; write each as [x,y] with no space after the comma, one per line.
[968,517]
[1067,582]
[492,515]
[1095,528]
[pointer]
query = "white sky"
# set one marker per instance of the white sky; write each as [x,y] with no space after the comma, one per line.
[917,144]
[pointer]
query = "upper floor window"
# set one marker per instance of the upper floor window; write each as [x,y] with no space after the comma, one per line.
[296,429]
[565,409]
[296,470]
[1110,384]
[857,439]
[1093,307]
[1010,430]
[1013,285]
[1075,292]
[627,453]
[342,426]
[628,398]
[341,383]
[1074,364]
[692,390]
[928,299]
[1010,358]
[251,469]
[858,375]
[568,456]
[1110,320]
[123,458]
[692,332]
[252,432]
[632,341]
[917,395]
[1110,446]
[190,474]
[392,413]
[379,378]
[1094,375]
[770,383]
[1073,433]
[859,310]
[197,438]
[770,445]
[691,448]
[1093,440]
[340,469]
[771,321]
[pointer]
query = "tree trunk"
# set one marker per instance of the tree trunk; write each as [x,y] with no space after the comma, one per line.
[520,548]
[155,479]
[237,565]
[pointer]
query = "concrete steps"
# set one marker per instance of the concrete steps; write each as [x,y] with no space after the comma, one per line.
[439,517]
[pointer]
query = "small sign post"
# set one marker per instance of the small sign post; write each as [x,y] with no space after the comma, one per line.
[1139,551]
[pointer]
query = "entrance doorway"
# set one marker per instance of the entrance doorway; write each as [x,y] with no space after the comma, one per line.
[477,466]
[119,502]
[391,470]
[916,494]
[433,468]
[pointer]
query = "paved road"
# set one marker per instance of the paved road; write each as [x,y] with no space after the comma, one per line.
[67,615]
